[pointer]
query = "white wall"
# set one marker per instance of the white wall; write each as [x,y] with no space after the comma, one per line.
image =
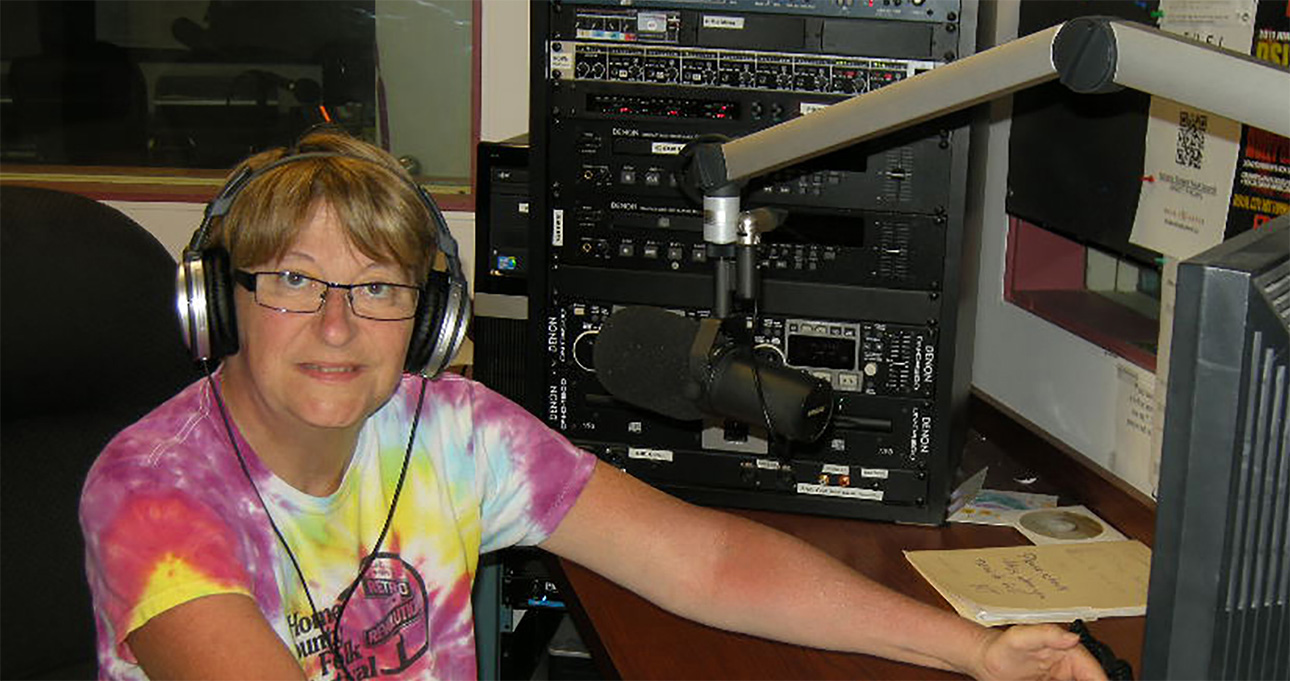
[504,67]
[173,223]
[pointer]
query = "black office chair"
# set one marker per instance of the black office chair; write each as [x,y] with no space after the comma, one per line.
[90,344]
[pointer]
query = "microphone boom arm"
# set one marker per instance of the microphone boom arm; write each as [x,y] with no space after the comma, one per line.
[1088,55]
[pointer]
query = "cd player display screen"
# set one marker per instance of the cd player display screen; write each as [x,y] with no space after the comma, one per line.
[821,351]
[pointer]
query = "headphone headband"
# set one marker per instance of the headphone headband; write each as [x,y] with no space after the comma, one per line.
[204,282]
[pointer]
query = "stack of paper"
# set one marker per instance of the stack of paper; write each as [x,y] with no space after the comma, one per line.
[971,503]
[1047,583]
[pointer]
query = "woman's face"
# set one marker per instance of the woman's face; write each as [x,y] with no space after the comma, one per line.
[328,369]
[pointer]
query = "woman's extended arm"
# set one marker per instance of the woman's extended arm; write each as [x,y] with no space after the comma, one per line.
[704,564]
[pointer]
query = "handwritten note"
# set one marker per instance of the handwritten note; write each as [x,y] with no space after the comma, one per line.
[1135,408]
[1047,583]
[1021,575]
[1168,290]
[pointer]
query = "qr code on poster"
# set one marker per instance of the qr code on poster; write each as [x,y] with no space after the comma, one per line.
[1191,138]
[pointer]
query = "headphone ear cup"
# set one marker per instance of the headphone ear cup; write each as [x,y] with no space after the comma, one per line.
[219,301]
[425,326]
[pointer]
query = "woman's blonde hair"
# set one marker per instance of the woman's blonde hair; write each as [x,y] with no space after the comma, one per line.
[374,199]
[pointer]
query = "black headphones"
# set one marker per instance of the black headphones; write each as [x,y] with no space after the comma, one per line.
[204,285]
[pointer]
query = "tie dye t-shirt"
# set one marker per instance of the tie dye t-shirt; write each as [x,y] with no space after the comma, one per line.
[169,516]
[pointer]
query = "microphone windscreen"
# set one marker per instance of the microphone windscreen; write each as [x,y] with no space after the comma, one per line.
[642,357]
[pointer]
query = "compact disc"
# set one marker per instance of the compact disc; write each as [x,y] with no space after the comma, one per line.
[1059,524]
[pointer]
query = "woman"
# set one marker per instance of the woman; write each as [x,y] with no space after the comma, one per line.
[311,510]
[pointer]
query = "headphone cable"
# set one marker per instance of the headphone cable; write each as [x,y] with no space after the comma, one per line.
[389,518]
[232,440]
[333,641]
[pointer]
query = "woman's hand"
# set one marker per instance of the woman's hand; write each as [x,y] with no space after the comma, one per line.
[1040,651]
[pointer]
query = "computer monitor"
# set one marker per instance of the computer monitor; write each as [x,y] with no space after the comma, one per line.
[1218,604]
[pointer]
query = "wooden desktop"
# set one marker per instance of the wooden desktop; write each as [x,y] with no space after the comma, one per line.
[632,639]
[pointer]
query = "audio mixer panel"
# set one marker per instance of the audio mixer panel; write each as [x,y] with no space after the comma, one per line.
[891,250]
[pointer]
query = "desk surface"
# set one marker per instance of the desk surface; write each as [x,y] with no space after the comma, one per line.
[632,639]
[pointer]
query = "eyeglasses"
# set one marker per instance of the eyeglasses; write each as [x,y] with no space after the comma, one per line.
[288,291]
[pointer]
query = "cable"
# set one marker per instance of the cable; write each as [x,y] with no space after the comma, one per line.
[394,502]
[333,641]
[232,440]
[777,448]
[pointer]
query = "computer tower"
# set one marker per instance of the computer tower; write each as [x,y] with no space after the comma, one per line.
[1218,603]
[500,325]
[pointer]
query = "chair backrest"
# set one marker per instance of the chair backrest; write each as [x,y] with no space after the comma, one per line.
[90,344]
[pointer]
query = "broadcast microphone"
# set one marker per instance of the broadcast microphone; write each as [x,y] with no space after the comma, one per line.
[684,369]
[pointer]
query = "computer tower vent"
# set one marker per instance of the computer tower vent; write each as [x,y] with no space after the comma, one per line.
[1275,286]
[1255,615]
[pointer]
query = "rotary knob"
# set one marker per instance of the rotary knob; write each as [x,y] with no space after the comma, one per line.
[584,348]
